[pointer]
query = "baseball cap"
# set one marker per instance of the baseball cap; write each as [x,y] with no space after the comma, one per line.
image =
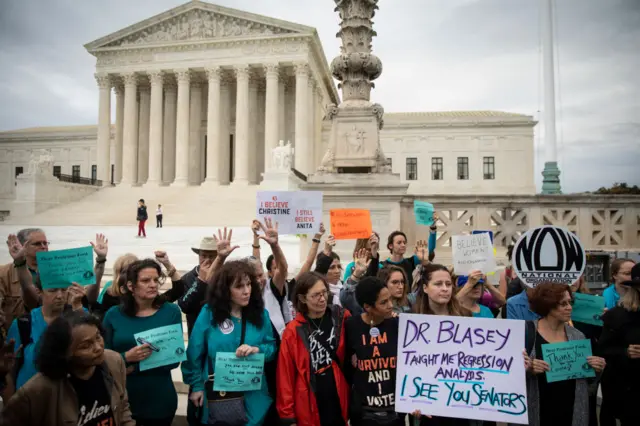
[635,277]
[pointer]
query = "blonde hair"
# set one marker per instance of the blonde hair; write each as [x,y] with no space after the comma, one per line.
[631,299]
[120,267]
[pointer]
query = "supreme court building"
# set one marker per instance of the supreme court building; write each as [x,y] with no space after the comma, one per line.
[204,93]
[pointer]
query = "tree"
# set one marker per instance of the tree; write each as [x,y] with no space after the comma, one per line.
[620,188]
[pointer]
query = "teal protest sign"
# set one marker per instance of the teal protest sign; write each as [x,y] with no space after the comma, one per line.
[60,268]
[423,212]
[233,374]
[568,360]
[166,343]
[587,309]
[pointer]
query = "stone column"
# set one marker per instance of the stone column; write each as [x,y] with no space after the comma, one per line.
[182,129]
[225,130]
[271,113]
[169,133]
[130,130]
[311,121]
[214,142]
[155,129]
[143,134]
[103,153]
[253,129]
[241,155]
[195,122]
[282,125]
[302,130]
[117,170]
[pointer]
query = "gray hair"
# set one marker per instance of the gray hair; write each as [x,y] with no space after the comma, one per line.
[24,234]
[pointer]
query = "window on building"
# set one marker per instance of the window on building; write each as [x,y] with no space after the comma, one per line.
[113,173]
[75,173]
[437,171]
[57,171]
[389,162]
[463,168]
[412,168]
[489,168]
[19,171]
[94,172]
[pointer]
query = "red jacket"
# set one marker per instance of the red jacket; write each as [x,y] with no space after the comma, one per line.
[296,399]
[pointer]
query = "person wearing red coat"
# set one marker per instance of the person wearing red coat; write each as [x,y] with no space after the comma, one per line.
[312,389]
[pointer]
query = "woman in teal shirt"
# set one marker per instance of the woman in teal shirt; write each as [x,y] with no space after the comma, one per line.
[152,396]
[236,295]
[470,294]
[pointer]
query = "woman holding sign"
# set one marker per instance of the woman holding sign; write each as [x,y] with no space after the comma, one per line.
[152,395]
[312,390]
[236,325]
[552,399]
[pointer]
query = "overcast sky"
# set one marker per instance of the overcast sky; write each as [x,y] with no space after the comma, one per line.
[437,55]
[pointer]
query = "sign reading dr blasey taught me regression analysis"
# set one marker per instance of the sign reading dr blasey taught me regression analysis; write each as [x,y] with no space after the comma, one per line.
[461,367]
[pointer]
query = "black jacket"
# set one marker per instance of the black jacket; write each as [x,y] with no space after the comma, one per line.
[142,213]
[194,297]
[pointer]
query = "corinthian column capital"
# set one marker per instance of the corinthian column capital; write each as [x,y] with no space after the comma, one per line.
[103,80]
[156,77]
[183,75]
[301,68]
[213,72]
[130,78]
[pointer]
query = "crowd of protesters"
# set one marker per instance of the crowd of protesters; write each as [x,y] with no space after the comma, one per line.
[70,355]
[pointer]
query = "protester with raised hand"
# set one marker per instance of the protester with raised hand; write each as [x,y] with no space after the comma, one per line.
[151,392]
[101,249]
[17,289]
[312,351]
[423,253]
[234,320]
[620,345]
[471,293]
[566,402]
[79,381]
[364,266]
[371,244]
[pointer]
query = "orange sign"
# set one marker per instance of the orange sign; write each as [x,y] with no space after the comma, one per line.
[350,224]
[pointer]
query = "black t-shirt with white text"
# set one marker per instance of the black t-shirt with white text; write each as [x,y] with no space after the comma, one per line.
[374,376]
[94,403]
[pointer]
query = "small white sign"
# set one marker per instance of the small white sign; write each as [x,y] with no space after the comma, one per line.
[461,367]
[473,252]
[548,254]
[297,212]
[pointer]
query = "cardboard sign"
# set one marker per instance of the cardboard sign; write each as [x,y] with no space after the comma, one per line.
[233,374]
[60,268]
[350,224]
[568,360]
[461,367]
[587,308]
[473,252]
[297,212]
[548,254]
[423,212]
[167,346]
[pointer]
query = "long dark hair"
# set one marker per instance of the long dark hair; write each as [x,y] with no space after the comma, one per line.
[220,293]
[129,306]
[422,300]
[53,347]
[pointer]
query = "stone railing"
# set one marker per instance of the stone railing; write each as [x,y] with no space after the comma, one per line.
[602,222]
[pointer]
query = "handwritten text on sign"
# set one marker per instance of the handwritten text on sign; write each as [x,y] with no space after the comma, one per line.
[297,212]
[587,308]
[350,224]
[166,343]
[60,268]
[473,252]
[568,360]
[461,367]
[233,374]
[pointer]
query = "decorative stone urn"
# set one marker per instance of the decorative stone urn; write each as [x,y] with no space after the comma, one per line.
[354,144]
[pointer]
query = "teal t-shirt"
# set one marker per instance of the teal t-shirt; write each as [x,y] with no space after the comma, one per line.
[104,290]
[151,392]
[611,297]
[484,313]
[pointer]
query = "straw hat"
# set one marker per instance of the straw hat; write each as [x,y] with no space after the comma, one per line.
[207,244]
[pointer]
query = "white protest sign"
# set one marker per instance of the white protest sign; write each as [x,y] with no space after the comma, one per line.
[461,367]
[548,254]
[297,212]
[473,252]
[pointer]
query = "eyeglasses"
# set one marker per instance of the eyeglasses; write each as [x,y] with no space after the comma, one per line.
[316,296]
[43,244]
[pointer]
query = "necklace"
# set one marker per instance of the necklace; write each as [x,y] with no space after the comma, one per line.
[317,326]
[373,331]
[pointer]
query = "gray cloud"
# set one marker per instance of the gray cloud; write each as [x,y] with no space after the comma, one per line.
[437,54]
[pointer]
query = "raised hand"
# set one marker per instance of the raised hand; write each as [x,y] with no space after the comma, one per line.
[224,242]
[321,231]
[474,277]
[162,258]
[255,227]
[422,251]
[204,273]
[101,246]
[270,231]
[435,220]
[362,262]
[16,250]
[374,243]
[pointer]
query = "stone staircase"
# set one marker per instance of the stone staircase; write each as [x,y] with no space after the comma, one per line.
[192,206]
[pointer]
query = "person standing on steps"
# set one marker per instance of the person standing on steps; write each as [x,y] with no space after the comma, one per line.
[142,217]
[159,216]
